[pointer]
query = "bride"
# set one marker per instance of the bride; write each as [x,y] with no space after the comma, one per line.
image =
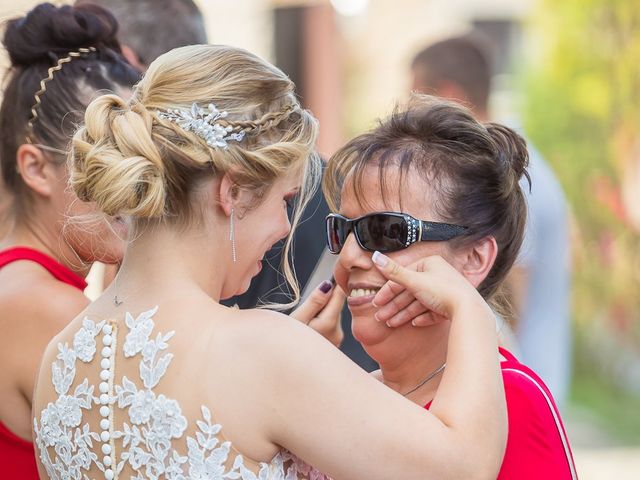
[156,379]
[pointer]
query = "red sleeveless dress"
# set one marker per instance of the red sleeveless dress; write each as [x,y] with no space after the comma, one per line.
[537,444]
[17,456]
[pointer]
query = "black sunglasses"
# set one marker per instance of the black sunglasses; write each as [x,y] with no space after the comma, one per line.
[386,231]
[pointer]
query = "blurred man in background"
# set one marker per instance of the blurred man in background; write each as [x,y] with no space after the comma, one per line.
[539,284]
[149,28]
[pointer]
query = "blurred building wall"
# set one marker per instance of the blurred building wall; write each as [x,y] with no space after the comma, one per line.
[372,50]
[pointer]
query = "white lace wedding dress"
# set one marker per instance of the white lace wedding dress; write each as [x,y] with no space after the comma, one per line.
[104,425]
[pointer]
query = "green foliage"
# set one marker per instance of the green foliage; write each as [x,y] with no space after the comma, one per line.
[582,112]
[616,410]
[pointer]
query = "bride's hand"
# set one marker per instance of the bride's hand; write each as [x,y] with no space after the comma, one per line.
[321,311]
[424,293]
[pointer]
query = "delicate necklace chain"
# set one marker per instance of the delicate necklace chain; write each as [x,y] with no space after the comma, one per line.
[116,300]
[429,377]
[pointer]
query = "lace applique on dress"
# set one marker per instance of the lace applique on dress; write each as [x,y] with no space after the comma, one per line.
[67,447]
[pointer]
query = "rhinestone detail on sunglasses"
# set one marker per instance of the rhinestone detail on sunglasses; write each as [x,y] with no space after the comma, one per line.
[415,231]
[414,225]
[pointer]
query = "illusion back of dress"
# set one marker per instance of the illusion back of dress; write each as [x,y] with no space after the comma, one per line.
[106,416]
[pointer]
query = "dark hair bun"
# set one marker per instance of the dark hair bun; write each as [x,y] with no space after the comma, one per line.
[48,32]
[511,149]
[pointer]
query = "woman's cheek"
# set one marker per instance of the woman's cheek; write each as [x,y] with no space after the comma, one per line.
[404,257]
[342,277]
[414,253]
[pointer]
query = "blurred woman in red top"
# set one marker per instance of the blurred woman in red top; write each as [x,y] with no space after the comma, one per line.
[60,58]
[431,182]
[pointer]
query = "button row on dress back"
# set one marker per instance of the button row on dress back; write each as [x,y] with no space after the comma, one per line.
[106,396]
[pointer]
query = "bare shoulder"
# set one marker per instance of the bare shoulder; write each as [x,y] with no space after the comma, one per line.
[264,343]
[34,308]
[268,331]
[32,300]
[287,352]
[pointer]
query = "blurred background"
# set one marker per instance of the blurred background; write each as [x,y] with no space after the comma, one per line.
[568,73]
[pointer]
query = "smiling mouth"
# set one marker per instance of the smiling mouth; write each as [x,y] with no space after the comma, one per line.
[362,292]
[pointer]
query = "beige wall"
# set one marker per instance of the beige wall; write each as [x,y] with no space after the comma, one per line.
[242,23]
[10,8]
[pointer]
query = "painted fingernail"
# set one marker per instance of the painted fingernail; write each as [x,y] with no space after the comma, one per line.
[379,259]
[325,286]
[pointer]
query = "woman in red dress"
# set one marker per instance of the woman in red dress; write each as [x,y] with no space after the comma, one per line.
[432,183]
[59,58]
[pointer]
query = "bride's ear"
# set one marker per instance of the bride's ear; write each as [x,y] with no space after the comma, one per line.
[227,194]
[231,196]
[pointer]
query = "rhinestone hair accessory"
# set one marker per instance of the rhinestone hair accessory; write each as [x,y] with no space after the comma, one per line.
[43,84]
[205,123]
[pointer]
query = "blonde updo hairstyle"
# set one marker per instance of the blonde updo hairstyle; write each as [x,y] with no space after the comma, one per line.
[134,163]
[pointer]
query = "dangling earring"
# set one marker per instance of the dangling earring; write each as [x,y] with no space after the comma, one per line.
[232,236]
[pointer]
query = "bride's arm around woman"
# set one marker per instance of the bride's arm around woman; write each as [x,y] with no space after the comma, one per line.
[156,379]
